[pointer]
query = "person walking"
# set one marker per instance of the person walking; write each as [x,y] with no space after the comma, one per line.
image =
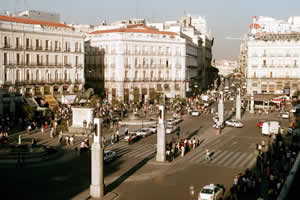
[126,132]
[72,140]
[207,155]
[112,138]
[182,150]
[51,132]
[60,137]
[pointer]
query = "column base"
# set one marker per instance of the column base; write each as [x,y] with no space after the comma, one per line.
[95,191]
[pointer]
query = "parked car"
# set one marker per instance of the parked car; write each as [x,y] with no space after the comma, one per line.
[293,109]
[195,113]
[211,192]
[171,129]
[285,115]
[177,120]
[109,156]
[144,132]
[170,122]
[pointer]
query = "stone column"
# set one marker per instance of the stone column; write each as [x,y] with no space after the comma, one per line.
[238,106]
[252,104]
[12,105]
[131,96]
[140,91]
[161,136]
[51,90]
[97,178]
[221,109]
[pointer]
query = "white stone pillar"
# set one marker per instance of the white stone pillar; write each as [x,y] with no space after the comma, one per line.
[238,106]
[131,96]
[161,136]
[252,104]
[221,109]
[97,178]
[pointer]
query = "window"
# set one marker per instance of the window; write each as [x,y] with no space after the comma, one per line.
[270,74]
[56,75]
[47,44]
[56,60]
[76,46]
[66,75]
[37,75]
[17,42]
[37,46]
[17,75]
[295,63]
[56,45]
[6,44]
[167,63]
[27,75]
[5,61]
[254,84]
[144,75]
[136,75]
[38,59]
[47,59]
[76,60]
[27,59]
[264,63]
[254,75]
[27,43]
[18,59]
[126,74]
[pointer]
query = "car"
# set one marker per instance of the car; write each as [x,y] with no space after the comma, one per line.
[143,132]
[171,129]
[109,156]
[270,127]
[234,123]
[231,98]
[211,192]
[152,129]
[195,113]
[177,120]
[285,115]
[170,122]
[133,135]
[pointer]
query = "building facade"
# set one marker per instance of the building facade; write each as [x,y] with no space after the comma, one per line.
[137,61]
[226,67]
[272,57]
[40,57]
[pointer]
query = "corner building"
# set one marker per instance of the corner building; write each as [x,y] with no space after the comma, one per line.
[136,59]
[40,57]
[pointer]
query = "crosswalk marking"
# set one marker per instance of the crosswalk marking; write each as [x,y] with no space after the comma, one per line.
[197,156]
[229,161]
[216,158]
[224,158]
[139,150]
[143,153]
[239,159]
[246,160]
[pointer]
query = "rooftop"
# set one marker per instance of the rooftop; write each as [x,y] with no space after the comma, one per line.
[31,21]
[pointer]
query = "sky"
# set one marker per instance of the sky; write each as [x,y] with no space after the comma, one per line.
[225,18]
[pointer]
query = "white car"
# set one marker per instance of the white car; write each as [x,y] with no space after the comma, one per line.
[144,132]
[109,156]
[177,120]
[170,122]
[211,192]
[152,129]
[171,129]
[231,98]
[195,113]
[234,123]
[133,135]
[285,115]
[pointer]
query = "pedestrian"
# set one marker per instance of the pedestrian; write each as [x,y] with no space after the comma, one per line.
[29,129]
[60,137]
[117,135]
[51,132]
[194,143]
[129,139]
[126,132]
[207,155]
[42,129]
[182,150]
[67,140]
[72,140]
[112,138]
[46,125]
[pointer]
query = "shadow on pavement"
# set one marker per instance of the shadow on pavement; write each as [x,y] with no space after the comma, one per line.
[127,174]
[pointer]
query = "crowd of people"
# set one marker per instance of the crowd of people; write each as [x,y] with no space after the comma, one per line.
[180,147]
[275,158]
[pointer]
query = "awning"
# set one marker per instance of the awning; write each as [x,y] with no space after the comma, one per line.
[51,101]
[69,99]
[31,102]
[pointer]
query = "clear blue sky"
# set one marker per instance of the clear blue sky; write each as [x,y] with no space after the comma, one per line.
[224,17]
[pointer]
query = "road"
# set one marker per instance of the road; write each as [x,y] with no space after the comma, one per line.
[134,176]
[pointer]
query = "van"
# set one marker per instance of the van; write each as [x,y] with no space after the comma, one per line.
[271,127]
